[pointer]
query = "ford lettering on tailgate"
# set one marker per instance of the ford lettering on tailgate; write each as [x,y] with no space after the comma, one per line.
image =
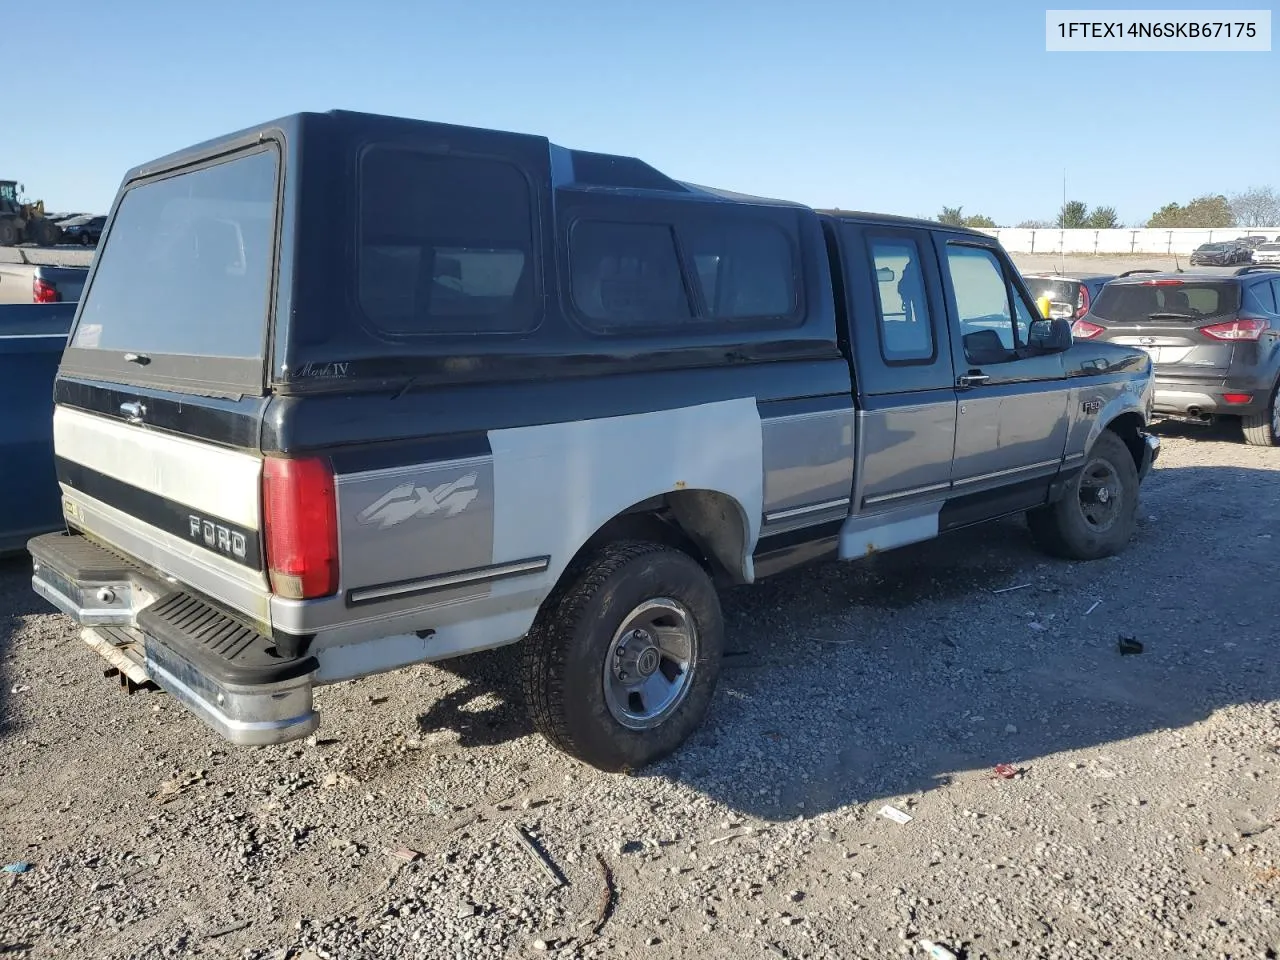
[219,536]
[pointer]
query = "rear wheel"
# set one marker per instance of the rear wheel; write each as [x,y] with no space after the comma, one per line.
[8,233]
[1263,429]
[1096,516]
[621,665]
[85,240]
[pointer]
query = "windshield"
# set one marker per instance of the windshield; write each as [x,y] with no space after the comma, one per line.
[1125,303]
[185,273]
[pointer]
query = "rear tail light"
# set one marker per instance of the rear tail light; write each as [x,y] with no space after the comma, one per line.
[1082,302]
[1162,283]
[300,518]
[1244,328]
[42,291]
[1237,397]
[1084,330]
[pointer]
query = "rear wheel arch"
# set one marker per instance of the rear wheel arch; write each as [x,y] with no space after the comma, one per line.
[709,526]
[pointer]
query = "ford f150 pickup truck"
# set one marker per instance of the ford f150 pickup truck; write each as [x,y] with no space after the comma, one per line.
[348,392]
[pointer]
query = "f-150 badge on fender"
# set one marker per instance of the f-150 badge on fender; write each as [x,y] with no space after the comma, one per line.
[407,500]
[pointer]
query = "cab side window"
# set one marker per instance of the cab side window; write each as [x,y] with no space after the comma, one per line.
[983,304]
[906,328]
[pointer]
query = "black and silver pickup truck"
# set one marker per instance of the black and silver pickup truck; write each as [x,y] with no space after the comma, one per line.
[348,392]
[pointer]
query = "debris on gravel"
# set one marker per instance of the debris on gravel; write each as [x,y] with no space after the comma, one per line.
[1135,815]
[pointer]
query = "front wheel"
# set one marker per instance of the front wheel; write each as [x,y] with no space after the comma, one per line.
[45,233]
[1263,429]
[1096,516]
[620,667]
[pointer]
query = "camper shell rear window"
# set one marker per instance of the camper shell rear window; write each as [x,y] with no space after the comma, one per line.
[180,294]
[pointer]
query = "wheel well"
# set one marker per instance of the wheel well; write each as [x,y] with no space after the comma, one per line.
[708,526]
[1127,427]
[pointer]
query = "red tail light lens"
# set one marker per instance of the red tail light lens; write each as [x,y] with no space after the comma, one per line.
[1237,397]
[1241,329]
[1162,283]
[1084,330]
[1082,302]
[42,291]
[300,517]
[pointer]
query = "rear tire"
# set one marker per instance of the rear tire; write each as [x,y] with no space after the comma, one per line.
[1263,429]
[8,234]
[1098,512]
[617,624]
[45,233]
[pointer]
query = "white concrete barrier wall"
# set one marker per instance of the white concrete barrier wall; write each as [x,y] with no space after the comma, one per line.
[1150,240]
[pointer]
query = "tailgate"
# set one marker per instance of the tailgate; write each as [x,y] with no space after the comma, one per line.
[160,393]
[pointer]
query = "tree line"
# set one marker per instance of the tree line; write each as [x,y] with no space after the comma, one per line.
[1255,207]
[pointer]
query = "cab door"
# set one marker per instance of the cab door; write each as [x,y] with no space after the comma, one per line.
[897,325]
[1011,418]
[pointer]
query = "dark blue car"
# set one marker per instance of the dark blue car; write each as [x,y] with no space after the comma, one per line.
[32,337]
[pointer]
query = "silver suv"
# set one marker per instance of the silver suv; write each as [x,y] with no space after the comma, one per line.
[1214,337]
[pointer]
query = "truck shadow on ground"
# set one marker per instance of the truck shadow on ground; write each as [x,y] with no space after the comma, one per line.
[488,709]
[849,683]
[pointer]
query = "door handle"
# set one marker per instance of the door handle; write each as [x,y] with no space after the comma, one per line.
[133,412]
[972,380]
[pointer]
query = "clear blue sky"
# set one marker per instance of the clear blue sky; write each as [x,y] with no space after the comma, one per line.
[896,107]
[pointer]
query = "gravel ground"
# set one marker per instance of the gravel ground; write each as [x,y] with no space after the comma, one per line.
[1140,822]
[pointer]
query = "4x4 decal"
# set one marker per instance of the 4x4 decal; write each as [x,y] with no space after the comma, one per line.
[407,501]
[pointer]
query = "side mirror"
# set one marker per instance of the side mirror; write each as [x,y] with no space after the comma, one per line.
[1044,305]
[885,275]
[1050,336]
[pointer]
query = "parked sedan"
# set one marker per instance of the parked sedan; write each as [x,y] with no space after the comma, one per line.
[85,231]
[1219,254]
[1267,253]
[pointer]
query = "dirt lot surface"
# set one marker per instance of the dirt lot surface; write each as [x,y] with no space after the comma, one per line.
[1141,821]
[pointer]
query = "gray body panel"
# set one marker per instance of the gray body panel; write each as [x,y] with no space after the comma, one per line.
[908,451]
[808,463]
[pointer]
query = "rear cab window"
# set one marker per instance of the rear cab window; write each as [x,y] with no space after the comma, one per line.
[180,294]
[905,322]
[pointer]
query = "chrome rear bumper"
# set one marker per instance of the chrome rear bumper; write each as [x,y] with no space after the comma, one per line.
[247,699]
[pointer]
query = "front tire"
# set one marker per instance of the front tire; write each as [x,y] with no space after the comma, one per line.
[1263,429]
[621,664]
[1096,516]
